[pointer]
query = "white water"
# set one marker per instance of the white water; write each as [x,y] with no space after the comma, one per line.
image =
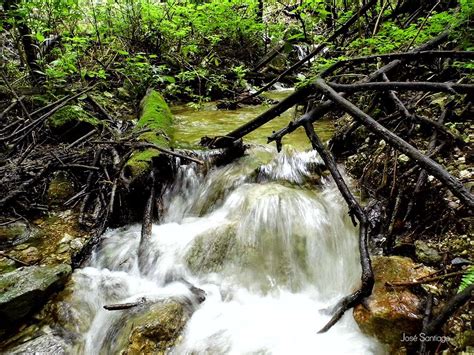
[291,253]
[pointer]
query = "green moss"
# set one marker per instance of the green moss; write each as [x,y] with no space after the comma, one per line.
[150,329]
[156,119]
[155,116]
[140,162]
[69,115]
[10,232]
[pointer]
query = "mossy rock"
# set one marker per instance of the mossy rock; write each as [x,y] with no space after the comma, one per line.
[151,330]
[60,188]
[71,122]
[391,312]
[211,249]
[14,233]
[157,120]
[26,289]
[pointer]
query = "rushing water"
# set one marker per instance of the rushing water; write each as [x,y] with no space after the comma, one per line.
[266,238]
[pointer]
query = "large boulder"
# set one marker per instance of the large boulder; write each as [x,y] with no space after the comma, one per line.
[392,312]
[26,289]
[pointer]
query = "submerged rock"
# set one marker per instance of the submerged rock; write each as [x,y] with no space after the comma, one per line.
[26,289]
[211,249]
[392,312]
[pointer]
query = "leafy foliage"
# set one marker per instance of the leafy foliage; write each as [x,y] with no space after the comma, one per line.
[467,280]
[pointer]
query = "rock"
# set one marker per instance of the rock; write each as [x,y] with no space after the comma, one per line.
[427,254]
[159,330]
[152,330]
[28,288]
[211,249]
[13,234]
[71,122]
[30,255]
[60,189]
[43,344]
[392,312]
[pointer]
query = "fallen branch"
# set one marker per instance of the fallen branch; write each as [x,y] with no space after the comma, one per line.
[323,108]
[122,306]
[275,111]
[448,310]
[426,163]
[425,280]
[167,151]
[22,105]
[31,126]
[356,210]
[12,105]
[452,88]
[407,56]
[18,261]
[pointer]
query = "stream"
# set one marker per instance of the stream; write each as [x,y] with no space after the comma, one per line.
[266,238]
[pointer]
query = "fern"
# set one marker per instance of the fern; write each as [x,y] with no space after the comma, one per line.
[467,280]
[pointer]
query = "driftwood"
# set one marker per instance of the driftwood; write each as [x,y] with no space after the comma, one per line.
[395,141]
[355,210]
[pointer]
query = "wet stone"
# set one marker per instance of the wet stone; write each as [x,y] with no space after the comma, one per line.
[13,234]
[391,312]
[26,289]
[44,344]
[427,254]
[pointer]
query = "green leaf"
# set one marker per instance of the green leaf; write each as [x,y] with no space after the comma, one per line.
[467,280]
[39,36]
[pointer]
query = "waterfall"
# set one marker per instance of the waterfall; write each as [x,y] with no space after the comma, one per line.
[266,238]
